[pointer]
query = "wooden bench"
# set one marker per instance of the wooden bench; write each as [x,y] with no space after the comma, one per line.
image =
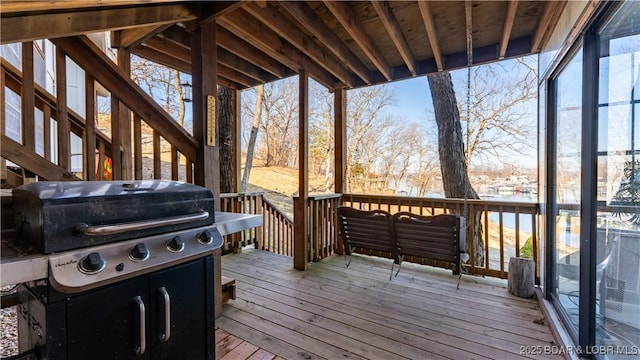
[439,237]
[370,230]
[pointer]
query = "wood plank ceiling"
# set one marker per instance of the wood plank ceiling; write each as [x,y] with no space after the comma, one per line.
[341,44]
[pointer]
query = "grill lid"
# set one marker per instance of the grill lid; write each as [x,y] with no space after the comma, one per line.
[58,216]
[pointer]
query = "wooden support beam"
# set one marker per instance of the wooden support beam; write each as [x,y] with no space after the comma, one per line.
[546,24]
[236,76]
[130,38]
[47,130]
[116,138]
[178,64]
[28,97]
[236,140]
[28,26]
[124,63]
[62,116]
[175,161]
[137,147]
[239,64]
[343,14]
[29,159]
[90,127]
[263,38]
[212,10]
[289,31]
[87,55]
[340,138]
[239,47]
[205,97]
[170,48]
[432,33]
[157,155]
[512,7]
[300,11]
[300,245]
[393,28]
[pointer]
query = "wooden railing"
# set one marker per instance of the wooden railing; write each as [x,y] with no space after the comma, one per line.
[97,155]
[277,230]
[275,234]
[506,225]
[322,225]
[247,203]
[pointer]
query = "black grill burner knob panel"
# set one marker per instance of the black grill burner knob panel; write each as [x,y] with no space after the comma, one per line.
[205,237]
[176,244]
[139,252]
[92,263]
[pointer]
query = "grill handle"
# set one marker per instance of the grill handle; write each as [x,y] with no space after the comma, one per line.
[139,350]
[104,230]
[164,337]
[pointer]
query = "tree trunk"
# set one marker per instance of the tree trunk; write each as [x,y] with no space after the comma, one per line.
[252,139]
[225,121]
[453,165]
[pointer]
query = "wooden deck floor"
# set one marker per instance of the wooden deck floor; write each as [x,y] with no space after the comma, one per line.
[334,312]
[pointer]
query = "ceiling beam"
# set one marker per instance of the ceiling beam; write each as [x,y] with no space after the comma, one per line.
[468,20]
[237,63]
[432,33]
[162,58]
[211,10]
[177,60]
[343,14]
[13,7]
[512,7]
[393,28]
[287,30]
[27,27]
[170,48]
[236,76]
[129,38]
[261,37]
[303,14]
[547,22]
[241,48]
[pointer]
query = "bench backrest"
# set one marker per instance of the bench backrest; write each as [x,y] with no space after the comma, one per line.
[439,237]
[365,229]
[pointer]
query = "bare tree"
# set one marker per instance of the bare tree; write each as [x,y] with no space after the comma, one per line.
[453,164]
[225,122]
[252,138]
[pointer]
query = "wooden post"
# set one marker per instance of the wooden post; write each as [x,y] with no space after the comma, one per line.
[205,127]
[137,147]
[300,244]
[521,277]
[64,144]
[90,132]
[124,63]
[205,97]
[340,150]
[28,97]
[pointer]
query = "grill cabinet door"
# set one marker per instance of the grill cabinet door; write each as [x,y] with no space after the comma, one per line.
[105,324]
[185,288]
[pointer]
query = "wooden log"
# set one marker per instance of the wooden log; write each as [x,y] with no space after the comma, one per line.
[521,277]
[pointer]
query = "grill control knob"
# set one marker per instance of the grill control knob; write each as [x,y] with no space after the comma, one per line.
[205,237]
[92,263]
[139,252]
[175,244]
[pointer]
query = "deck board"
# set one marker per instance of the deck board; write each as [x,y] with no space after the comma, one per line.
[331,311]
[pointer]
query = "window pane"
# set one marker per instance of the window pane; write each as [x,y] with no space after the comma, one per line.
[568,115]
[618,217]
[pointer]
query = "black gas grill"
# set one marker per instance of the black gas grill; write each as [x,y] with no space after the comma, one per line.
[130,270]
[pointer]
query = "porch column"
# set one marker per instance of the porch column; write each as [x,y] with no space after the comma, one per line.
[205,97]
[62,115]
[340,149]
[28,97]
[124,63]
[300,245]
